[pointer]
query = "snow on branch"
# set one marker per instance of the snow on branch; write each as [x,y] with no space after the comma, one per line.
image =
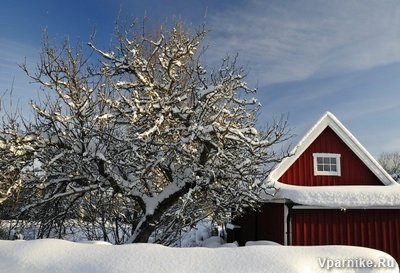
[145,138]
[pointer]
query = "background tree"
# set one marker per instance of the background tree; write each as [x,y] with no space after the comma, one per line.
[390,161]
[143,141]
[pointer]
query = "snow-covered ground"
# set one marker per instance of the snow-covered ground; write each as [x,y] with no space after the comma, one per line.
[52,255]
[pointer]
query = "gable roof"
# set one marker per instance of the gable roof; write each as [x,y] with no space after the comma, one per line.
[328,119]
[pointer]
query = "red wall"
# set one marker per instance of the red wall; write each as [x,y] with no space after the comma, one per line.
[374,228]
[353,170]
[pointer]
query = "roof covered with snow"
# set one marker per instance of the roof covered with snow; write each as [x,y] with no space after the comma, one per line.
[340,196]
[337,196]
[328,119]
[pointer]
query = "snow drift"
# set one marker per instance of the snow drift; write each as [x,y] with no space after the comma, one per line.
[51,255]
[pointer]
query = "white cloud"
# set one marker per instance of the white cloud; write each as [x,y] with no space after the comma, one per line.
[295,40]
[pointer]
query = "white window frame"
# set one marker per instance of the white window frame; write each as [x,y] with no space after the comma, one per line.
[327,155]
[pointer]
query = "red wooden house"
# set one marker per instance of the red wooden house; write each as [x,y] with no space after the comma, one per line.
[331,192]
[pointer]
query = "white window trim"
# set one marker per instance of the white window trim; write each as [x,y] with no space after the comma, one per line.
[330,173]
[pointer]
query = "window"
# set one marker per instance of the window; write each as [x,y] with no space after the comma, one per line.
[326,164]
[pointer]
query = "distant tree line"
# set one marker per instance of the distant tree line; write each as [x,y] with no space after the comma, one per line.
[390,161]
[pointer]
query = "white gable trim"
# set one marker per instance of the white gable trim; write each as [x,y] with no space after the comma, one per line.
[330,120]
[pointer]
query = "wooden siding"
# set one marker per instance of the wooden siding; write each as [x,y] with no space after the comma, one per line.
[374,228]
[353,170]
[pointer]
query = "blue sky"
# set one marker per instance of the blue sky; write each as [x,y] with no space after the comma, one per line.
[306,56]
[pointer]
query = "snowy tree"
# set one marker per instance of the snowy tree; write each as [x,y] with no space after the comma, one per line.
[15,152]
[145,140]
[390,161]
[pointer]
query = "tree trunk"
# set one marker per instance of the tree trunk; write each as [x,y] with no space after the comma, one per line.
[142,233]
[148,224]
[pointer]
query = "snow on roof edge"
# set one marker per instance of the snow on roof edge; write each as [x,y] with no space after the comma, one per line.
[362,153]
[328,119]
[338,196]
[297,150]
